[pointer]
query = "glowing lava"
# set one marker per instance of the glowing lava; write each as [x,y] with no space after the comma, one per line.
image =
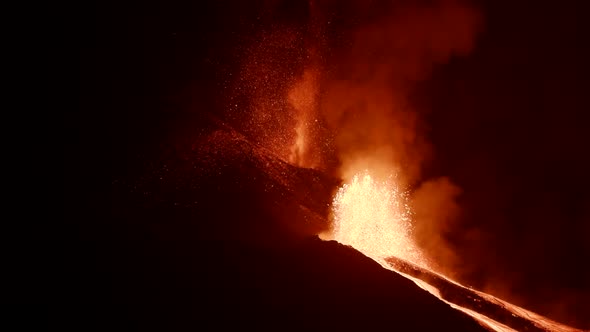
[374,217]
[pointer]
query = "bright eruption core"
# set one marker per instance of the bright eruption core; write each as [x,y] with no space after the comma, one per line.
[374,217]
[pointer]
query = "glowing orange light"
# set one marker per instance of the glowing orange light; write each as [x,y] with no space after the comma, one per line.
[302,96]
[374,217]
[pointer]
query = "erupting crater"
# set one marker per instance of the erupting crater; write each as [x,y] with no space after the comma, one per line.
[374,217]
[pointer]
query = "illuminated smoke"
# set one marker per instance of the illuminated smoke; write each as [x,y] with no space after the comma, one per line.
[434,205]
[367,92]
[366,103]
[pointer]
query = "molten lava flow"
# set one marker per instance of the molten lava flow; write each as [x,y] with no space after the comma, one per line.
[374,217]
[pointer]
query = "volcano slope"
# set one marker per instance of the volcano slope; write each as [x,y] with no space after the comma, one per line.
[221,236]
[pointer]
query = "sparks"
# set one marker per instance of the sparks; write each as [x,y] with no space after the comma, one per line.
[374,217]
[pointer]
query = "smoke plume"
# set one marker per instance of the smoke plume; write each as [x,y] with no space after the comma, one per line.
[340,85]
[366,102]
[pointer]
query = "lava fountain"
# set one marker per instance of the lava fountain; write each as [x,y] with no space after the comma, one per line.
[374,217]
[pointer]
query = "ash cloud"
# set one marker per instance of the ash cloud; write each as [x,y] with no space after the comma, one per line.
[366,102]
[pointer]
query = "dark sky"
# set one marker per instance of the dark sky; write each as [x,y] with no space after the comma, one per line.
[508,124]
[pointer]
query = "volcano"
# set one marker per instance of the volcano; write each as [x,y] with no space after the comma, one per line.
[221,235]
[191,199]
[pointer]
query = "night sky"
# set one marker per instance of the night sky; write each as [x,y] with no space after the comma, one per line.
[507,124]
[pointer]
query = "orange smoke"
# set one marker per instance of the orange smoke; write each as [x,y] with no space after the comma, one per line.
[366,100]
[367,105]
[436,212]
